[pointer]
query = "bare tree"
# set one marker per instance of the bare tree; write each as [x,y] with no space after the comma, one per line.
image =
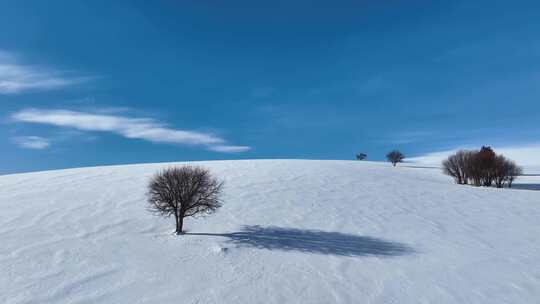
[473,170]
[182,192]
[464,158]
[361,156]
[513,172]
[505,172]
[455,166]
[395,157]
[486,159]
[459,166]
[500,171]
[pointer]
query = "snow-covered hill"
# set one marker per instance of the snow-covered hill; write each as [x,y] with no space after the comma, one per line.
[290,231]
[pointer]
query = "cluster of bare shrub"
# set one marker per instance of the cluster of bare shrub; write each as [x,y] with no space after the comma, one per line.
[481,168]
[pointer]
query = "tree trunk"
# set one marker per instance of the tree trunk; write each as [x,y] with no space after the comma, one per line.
[179,223]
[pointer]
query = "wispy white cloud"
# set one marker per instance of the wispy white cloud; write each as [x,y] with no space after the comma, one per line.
[229,149]
[16,77]
[525,155]
[135,128]
[32,142]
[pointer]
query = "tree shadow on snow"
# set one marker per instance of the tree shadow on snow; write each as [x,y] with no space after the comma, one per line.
[312,241]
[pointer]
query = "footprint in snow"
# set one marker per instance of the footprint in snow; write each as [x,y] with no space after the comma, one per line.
[219,249]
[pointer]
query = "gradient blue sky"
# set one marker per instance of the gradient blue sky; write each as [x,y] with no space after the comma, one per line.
[87,83]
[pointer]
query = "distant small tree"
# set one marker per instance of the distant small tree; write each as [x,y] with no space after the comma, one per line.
[361,156]
[182,192]
[395,157]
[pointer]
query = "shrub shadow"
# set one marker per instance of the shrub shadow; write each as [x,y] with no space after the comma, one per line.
[421,167]
[313,241]
[534,187]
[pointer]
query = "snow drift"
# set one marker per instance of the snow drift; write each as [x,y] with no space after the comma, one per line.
[290,231]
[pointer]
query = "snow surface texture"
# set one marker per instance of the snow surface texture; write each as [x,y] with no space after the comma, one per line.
[290,231]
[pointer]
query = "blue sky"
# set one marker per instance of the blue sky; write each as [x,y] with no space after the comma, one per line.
[86,83]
